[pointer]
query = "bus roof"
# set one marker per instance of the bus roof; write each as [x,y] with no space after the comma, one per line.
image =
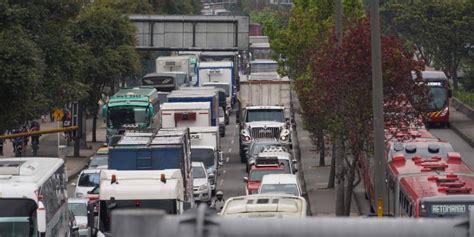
[141,185]
[452,163]
[431,75]
[433,186]
[265,205]
[21,177]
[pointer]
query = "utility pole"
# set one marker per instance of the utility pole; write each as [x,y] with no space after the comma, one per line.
[377,103]
[339,142]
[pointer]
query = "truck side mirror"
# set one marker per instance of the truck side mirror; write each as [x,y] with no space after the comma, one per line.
[41,217]
[450,93]
[246,179]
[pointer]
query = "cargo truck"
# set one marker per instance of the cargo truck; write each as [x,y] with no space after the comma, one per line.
[184,63]
[155,150]
[219,72]
[151,189]
[198,95]
[174,115]
[205,148]
[234,57]
[264,110]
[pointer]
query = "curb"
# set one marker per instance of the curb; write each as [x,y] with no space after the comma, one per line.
[75,171]
[462,135]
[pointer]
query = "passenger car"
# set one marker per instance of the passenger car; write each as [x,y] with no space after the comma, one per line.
[78,207]
[201,185]
[280,183]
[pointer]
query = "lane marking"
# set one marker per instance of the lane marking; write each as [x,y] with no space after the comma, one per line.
[232,142]
[230,150]
[225,171]
[221,182]
[227,160]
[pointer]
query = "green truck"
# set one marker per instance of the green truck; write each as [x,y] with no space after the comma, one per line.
[131,108]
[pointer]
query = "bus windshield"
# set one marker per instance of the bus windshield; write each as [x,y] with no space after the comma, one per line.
[439,98]
[120,116]
[256,115]
[106,208]
[17,217]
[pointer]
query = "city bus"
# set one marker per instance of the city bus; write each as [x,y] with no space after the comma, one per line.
[131,108]
[440,93]
[33,197]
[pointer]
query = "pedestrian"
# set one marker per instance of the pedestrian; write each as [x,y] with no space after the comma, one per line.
[43,118]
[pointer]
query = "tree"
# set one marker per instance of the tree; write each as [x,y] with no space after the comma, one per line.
[109,40]
[439,30]
[346,71]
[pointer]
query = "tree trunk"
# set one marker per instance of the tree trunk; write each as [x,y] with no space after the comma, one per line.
[94,128]
[340,176]
[322,148]
[332,172]
[349,188]
[83,135]
[454,76]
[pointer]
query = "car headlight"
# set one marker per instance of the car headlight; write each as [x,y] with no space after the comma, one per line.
[203,187]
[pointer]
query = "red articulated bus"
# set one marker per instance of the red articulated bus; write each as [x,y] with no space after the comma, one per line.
[423,174]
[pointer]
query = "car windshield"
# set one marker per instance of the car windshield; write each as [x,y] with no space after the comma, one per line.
[120,116]
[17,217]
[439,98]
[257,174]
[78,209]
[280,188]
[89,179]
[256,115]
[99,160]
[199,172]
[205,156]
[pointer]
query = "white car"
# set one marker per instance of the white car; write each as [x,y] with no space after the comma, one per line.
[201,185]
[280,183]
[87,180]
[78,206]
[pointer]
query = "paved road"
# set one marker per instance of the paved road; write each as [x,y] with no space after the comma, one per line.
[459,145]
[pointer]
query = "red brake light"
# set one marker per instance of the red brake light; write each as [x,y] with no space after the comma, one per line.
[114,179]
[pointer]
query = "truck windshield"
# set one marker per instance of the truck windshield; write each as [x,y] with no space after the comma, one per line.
[205,156]
[17,217]
[280,188]
[122,116]
[161,83]
[446,208]
[107,207]
[256,115]
[439,98]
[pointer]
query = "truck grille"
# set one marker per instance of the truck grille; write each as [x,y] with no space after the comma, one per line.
[269,132]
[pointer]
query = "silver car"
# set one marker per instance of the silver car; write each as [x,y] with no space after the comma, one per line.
[78,207]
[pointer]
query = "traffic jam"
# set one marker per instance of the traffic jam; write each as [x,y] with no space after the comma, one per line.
[165,145]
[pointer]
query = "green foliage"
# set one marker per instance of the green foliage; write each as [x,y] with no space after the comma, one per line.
[21,73]
[466,97]
[108,40]
[439,30]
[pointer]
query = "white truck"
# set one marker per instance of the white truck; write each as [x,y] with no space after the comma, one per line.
[147,189]
[221,71]
[206,148]
[186,114]
[264,110]
[184,63]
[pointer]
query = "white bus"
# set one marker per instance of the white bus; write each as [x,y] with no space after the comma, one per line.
[33,197]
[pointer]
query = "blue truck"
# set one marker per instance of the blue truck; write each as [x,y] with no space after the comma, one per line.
[167,148]
[198,94]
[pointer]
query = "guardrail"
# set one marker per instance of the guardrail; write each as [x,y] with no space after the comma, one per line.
[202,224]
